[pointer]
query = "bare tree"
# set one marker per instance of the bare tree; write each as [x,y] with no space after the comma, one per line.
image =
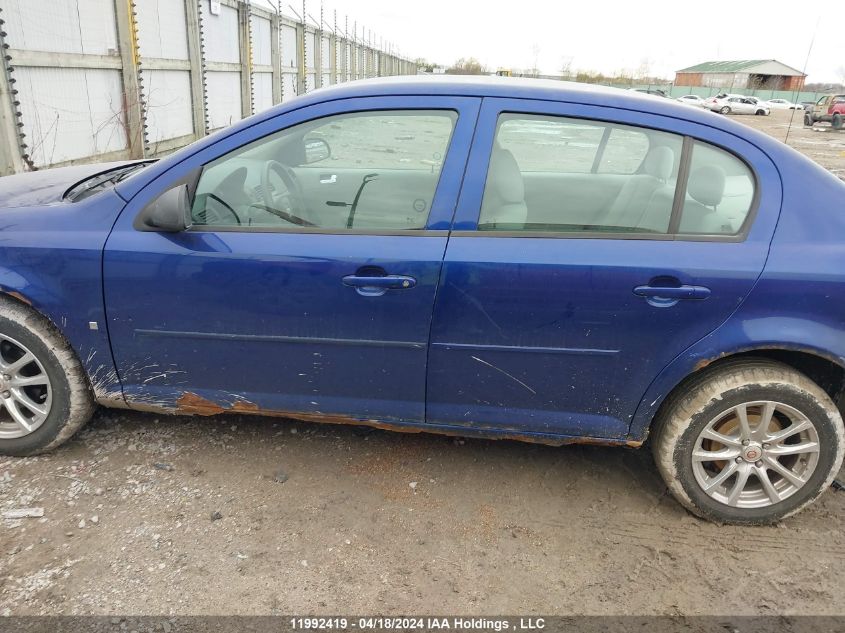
[566,66]
[467,66]
[644,69]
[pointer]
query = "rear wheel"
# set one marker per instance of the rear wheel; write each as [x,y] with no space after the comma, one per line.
[44,395]
[750,442]
[725,110]
[836,122]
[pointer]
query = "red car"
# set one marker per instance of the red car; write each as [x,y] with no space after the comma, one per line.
[830,109]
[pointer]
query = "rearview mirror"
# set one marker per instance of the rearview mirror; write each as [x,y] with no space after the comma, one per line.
[316,149]
[170,212]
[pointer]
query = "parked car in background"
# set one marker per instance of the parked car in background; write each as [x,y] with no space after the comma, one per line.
[737,105]
[829,109]
[718,99]
[656,92]
[607,268]
[783,104]
[693,100]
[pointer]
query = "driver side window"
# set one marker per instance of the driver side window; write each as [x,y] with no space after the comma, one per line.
[359,170]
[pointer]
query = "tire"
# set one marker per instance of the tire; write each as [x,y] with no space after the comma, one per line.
[725,110]
[808,120]
[60,390]
[715,397]
[836,122]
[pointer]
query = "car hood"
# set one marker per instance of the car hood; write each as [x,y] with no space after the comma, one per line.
[48,186]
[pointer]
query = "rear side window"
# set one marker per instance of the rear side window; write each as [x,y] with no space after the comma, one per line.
[559,174]
[550,144]
[624,152]
[562,175]
[720,192]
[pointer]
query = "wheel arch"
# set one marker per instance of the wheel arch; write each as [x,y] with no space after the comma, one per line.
[91,347]
[825,369]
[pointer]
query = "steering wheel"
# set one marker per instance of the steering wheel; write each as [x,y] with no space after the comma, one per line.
[292,201]
[211,214]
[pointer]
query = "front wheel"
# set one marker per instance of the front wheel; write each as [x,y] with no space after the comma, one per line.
[760,113]
[44,395]
[749,442]
[725,110]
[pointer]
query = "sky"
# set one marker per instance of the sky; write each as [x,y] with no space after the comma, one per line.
[607,36]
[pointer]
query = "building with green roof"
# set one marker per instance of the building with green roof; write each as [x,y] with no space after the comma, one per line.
[754,74]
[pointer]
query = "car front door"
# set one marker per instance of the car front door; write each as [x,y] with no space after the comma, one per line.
[307,281]
[738,106]
[556,311]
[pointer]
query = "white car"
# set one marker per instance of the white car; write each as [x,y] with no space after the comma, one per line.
[693,100]
[737,105]
[783,104]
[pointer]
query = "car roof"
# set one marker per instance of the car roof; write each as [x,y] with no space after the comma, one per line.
[523,88]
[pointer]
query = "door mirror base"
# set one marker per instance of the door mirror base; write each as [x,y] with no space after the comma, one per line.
[169,213]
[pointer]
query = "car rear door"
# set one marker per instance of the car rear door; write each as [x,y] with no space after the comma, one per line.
[546,324]
[327,317]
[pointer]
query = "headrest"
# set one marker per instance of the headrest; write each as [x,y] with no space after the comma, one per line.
[659,162]
[707,185]
[504,176]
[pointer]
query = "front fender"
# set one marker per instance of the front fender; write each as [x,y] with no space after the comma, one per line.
[51,260]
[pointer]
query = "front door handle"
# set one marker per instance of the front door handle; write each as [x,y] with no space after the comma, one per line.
[671,294]
[375,285]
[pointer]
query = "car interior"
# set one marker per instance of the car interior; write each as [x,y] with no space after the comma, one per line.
[718,197]
[560,182]
[295,179]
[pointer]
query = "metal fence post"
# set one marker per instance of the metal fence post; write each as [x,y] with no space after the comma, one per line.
[276,56]
[318,58]
[333,53]
[133,100]
[11,151]
[300,58]
[195,56]
[245,48]
[344,59]
[353,57]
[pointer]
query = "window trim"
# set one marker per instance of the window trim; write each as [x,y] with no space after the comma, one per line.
[421,232]
[307,230]
[677,205]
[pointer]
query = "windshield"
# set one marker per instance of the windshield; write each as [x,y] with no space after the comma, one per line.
[101,181]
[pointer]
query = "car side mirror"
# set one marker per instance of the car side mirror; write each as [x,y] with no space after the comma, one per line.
[170,212]
[316,149]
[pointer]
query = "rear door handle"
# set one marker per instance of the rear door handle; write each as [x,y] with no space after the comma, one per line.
[380,283]
[673,292]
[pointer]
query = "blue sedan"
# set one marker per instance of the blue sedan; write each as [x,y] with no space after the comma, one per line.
[530,260]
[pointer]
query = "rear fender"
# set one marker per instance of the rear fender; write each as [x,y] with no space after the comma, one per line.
[736,337]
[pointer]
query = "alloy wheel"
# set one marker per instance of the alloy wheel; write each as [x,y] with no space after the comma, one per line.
[755,454]
[25,390]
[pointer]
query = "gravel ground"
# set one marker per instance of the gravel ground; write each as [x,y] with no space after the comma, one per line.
[823,144]
[146,514]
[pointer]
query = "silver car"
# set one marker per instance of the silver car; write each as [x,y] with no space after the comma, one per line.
[737,105]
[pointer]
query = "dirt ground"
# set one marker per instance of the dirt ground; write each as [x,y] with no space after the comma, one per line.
[823,144]
[146,514]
